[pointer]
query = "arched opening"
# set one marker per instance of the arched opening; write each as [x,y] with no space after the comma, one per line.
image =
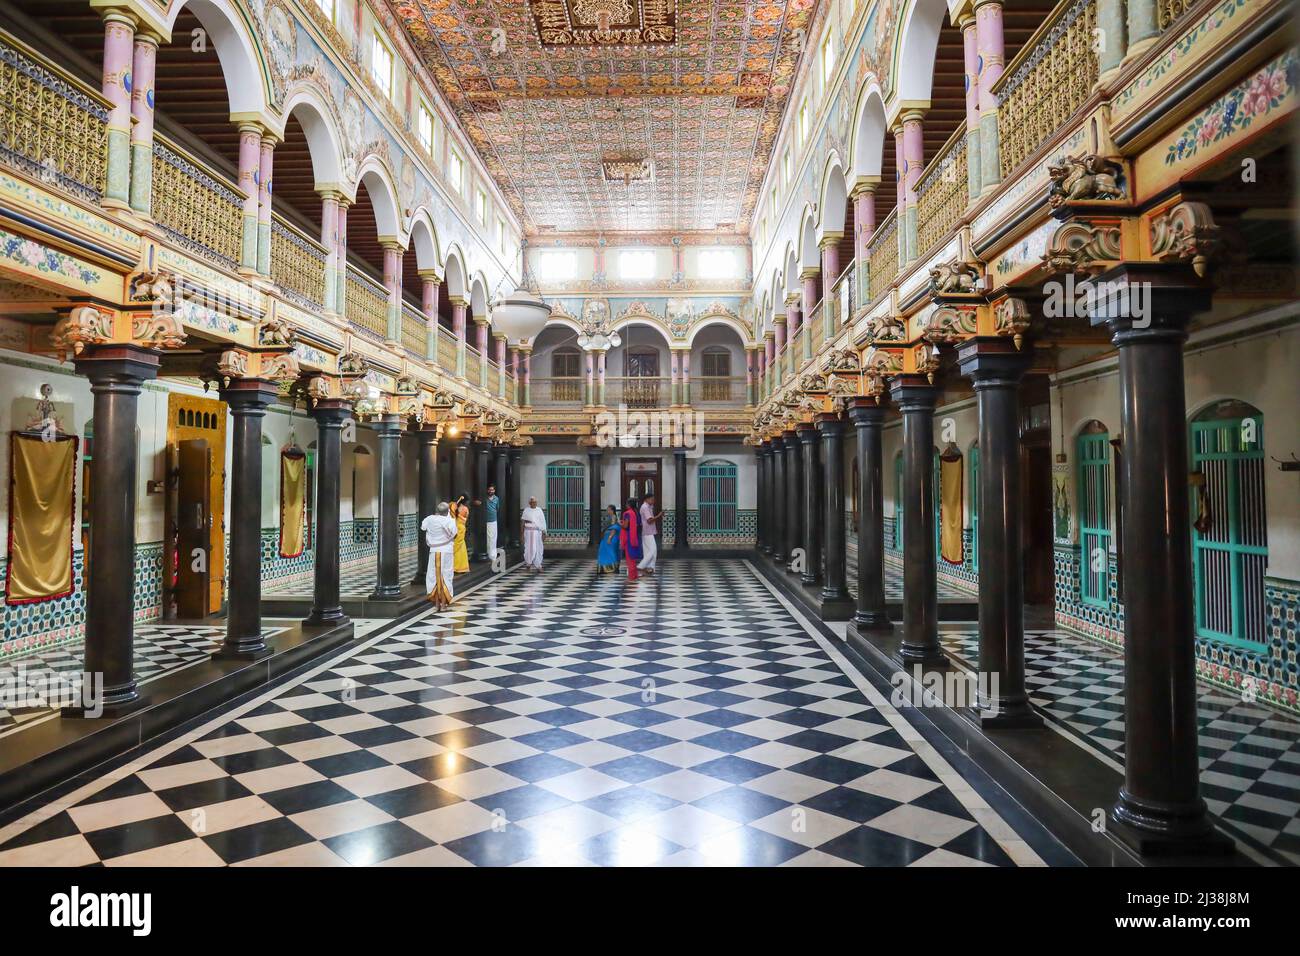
[717,365]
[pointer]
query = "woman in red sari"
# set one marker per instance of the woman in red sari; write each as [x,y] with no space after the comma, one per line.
[631,523]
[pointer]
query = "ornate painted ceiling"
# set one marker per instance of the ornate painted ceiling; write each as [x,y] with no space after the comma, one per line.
[617,115]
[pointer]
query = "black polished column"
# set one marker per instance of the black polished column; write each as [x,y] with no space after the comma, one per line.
[776,496]
[995,367]
[516,502]
[868,416]
[681,533]
[793,497]
[1160,805]
[116,373]
[760,491]
[500,478]
[593,496]
[837,603]
[478,516]
[388,431]
[330,414]
[248,400]
[915,397]
[811,514]
[427,437]
[460,468]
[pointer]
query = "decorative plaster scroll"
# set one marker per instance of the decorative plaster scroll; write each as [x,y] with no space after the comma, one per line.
[1185,233]
[1083,247]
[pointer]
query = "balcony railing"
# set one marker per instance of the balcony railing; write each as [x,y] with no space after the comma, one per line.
[367,304]
[797,343]
[844,295]
[494,377]
[472,362]
[297,264]
[816,328]
[718,389]
[882,256]
[446,351]
[564,390]
[53,127]
[941,193]
[1049,79]
[638,392]
[415,329]
[196,207]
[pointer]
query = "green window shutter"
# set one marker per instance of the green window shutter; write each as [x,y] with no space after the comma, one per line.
[565,507]
[1229,556]
[898,503]
[975,508]
[717,497]
[1094,517]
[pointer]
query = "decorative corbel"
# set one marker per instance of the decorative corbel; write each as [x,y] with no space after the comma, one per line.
[1011,317]
[1083,247]
[813,383]
[84,325]
[843,361]
[1085,178]
[230,364]
[406,384]
[883,362]
[949,324]
[925,360]
[1185,232]
[276,333]
[280,367]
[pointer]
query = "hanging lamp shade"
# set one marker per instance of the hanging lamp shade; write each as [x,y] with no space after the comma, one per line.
[522,314]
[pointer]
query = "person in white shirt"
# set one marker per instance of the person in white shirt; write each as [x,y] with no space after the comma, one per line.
[534,520]
[649,534]
[440,535]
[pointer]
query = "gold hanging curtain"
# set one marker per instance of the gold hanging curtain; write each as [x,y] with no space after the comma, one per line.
[950,498]
[293,496]
[42,478]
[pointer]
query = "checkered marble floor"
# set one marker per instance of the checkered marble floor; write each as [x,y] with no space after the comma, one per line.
[686,718]
[159,649]
[947,590]
[1250,755]
[355,578]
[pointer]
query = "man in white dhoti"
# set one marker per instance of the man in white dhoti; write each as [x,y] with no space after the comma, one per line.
[440,535]
[534,520]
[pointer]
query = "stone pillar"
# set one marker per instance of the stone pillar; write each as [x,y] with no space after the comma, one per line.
[793,493]
[329,237]
[915,397]
[393,285]
[779,510]
[142,105]
[119,55]
[265,187]
[811,513]
[250,171]
[429,283]
[988,35]
[864,217]
[995,367]
[427,436]
[600,379]
[330,414]
[1160,805]
[593,496]
[1114,31]
[501,478]
[341,293]
[830,261]
[836,601]
[481,477]
[481,344]
[769,351]
[686,376]
[1143,27]
[868,417]
[116,373]
[458,306]
[248,400]
[499,342]
[971,65]
[914,159]
[516,500]
[388,430]
[760,496]
[778,345]
[681,533]
[793,316]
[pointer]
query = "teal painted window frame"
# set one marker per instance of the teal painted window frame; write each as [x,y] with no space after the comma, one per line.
[566,507]
[716,482]
[1094,505]
[1232,452]
[974,508]
[898,502]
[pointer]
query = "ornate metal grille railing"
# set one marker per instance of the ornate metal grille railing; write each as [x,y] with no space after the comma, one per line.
[414,330]
[494,377]
[1049,79]
[446,350]
[882,256]
[941,193]
[795,344]
[367,304]
[816,326]
[52,126]
[560,391]
[844,297]
[717,388]
[637,392]
[297,264]
[195,207]
[472,363]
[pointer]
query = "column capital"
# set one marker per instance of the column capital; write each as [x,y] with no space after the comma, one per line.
[778,319]
[829,239]
[1149,300]
[864,185]
[830,424]
[249,395]
[866,412]
[993,362]
[332,411]
[430,275]
[387,426]
[391,244]
[458,300]
[913,393]
[810,272]
[793,298]
[122,364]
[806,432]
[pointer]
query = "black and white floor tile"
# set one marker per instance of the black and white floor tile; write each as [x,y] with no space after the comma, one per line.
[355,578]
[1250,755]
[687,718]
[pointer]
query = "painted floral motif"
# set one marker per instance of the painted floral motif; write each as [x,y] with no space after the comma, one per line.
[34,255]
[1182,48]
[1239,108]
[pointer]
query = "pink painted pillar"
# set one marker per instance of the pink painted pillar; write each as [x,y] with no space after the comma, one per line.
[250,170]
[769,347]
[144,61]
[393,284]
[329,238]
[793,317]
[458,321]
[528,377]
[341,254]
[988,37]
[900,175]
[971,61]
[749,376]
[501,354]
[429,306]
[265,185]
[119,56]
[481,343]
[914,158]
[864,219]
[831,262]
[811,292]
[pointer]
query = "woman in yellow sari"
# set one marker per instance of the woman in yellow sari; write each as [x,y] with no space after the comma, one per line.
[462,519]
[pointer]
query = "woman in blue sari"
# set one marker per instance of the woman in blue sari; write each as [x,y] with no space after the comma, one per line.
[607,555]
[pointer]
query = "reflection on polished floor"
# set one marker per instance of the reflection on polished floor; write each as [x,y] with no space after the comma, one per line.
[689,718]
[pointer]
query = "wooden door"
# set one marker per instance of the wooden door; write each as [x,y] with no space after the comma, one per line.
[1036,486]
[192,562]
[191,418]
[640,477]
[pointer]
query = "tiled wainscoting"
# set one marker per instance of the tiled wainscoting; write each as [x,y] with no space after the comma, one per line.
[744,536]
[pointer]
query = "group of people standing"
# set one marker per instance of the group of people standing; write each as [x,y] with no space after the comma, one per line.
[631,537]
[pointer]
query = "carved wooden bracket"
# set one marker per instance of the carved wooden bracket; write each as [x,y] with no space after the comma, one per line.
[1083,247]
[1186,233]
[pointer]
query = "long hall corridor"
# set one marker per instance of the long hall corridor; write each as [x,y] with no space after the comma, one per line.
[692,718]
